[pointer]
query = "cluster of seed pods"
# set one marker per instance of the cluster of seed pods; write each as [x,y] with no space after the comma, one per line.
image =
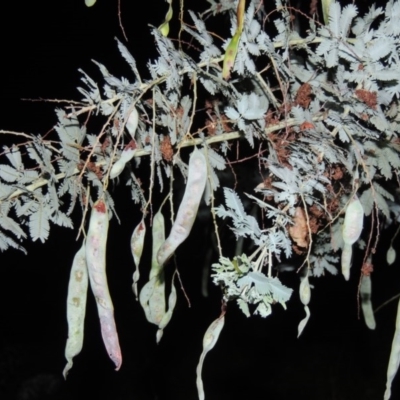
[90,261]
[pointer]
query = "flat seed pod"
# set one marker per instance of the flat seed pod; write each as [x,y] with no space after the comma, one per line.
[152,295]
[157,301]
[196,182]
[168,315]
[144,297]
[353,221]
[96,244]
[391,255]
[210,339]
[305,290]
[305,297]
[126,155]
[303,322]
[137,242]
[394,359]
[347,253]
[366,304]
[76,307]
[132,122]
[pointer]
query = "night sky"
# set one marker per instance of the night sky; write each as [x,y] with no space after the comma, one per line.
[43,44]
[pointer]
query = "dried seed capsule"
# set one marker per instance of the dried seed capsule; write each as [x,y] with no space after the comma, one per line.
[352,228]
[96,243]
[76,307]
[196,182]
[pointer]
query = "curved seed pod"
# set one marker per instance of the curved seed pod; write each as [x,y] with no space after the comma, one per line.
[132,122]
[366,305]
[137,242]
[233,46]
[144,297]
[196,182]
[96,243]
[164,27]
[209,341]
[126,155]
[391,255]
[394,359]
[305,297]
[167,316]
[303,322]
[76,307]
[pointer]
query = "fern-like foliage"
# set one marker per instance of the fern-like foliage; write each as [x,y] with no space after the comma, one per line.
[320,114]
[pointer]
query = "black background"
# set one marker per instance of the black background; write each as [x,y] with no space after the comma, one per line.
[43,44]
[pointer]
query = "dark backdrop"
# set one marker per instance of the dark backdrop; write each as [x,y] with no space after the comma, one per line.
[43,44]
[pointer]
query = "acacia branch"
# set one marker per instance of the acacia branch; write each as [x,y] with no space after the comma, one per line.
[187,142]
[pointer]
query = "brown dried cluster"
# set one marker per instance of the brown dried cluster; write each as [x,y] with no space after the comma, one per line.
[91,166]
[303,96]
[367,269]
[166,149]
[281,143]
[215,119]
[336,172]
[369,98]
[299,231]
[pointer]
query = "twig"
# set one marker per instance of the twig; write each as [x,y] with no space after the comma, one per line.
[187,142]
[386,302]
[120,20]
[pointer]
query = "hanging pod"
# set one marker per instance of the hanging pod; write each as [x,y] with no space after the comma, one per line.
[96,243]
[76,307]
[186,215]
[352,228]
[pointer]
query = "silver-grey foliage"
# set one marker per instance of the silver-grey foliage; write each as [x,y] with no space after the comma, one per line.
[321,116]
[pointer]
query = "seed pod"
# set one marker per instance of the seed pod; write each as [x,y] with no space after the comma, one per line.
[353,221]
[352,228]
[391,255]
[347,253]
[196,182]
[132,122]
[76,307]
[96,243]
[210,339]
[394,359]
[167,316]
[233,46]
[303,322]
[366,305]
[305,297]
[305,290]
[126,155]
[137,243]
[164,27]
